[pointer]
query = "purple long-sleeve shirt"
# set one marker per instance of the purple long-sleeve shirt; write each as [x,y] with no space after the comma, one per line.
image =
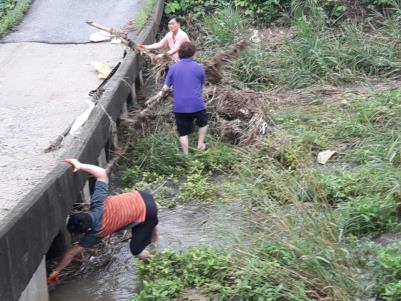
[187,78]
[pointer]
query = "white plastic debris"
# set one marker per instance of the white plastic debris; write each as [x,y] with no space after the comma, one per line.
[255,38]
[244,111]
[115,41]
[81,119]
[324,156]
[100,36]
[263,128]
[102,69]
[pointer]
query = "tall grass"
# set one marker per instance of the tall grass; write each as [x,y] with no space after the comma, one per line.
[306,218]
[253,69]
[224,26]
[318,54]
[302,219]
[313,256]
[156,163]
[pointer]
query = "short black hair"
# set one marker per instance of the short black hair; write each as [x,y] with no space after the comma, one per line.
[79,223]
[186,50]
[177,19]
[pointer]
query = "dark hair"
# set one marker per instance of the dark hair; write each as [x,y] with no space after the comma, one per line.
[187,50]
[79,223]
[177,19]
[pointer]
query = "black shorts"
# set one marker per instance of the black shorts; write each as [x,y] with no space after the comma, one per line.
[185,121]
[142,233]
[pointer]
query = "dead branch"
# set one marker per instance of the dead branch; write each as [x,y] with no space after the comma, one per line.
[123,37]
[213,68]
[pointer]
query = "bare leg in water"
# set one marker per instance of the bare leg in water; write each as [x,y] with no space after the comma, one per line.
[145,255]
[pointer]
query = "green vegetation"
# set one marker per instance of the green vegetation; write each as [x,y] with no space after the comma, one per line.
[307,217]
[310,223]
[253,70]
[318,55]
[267,11]
[141,19]
[197,8]
[389,259]
[224,26]
[215,273]
[171,272]
[158,164]
[11,12]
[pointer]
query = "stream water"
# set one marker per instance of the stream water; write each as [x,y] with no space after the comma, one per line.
[181,227]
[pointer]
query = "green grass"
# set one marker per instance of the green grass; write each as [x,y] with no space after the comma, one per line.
[157,163]
[213,273]
[304,218]
[141,19]
[299,259]
[365,173]
[224,26]
[321,55]
[253,69]
[384,263]
[306,238]
[11,13]
[318,54]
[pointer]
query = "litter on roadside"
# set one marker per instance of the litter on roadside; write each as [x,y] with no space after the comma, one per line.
[115,41]
[81,119]
[324,156]
[102,69]
[100,36]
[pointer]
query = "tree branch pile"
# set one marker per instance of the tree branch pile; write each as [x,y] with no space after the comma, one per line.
[238,115]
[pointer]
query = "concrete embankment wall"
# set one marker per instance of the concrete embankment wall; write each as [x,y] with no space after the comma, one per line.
[27,232]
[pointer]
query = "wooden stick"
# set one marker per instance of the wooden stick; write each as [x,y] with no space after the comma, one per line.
[107,29]
[122,36]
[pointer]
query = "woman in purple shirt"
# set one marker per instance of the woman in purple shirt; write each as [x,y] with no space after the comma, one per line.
[187,78]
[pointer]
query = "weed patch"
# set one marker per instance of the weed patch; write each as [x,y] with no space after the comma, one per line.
[290,264]
[386,267]
[157,164]
[209,270]
[170,272]
[308,219]
[314,53]
[224,26]
[141,19]
[363,215]
[253,70]
[11,12]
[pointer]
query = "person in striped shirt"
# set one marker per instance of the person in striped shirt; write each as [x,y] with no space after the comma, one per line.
[134,210]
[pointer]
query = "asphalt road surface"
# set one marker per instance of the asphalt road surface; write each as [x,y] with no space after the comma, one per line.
[63,21]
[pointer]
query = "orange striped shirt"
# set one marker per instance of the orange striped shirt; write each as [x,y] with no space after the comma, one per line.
[122,210]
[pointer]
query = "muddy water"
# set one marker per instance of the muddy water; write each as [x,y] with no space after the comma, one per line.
[181,227]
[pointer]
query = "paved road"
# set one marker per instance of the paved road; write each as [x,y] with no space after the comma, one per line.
[63,21]
[44,86]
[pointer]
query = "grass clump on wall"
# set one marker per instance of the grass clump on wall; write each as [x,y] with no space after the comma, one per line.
[12,12]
